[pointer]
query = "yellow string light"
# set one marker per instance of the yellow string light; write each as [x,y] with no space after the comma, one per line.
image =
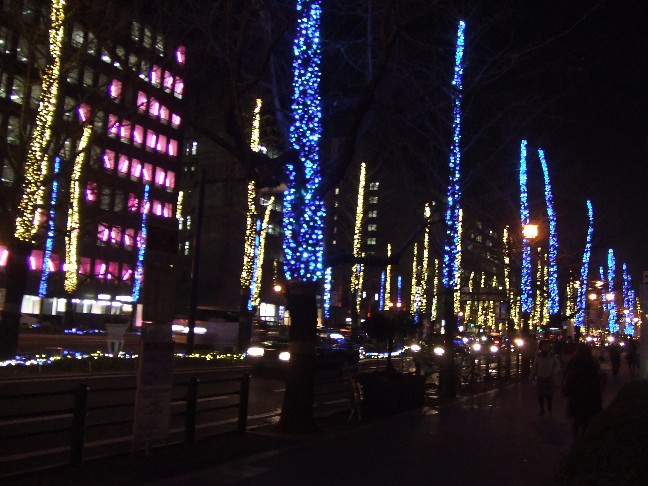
[73,225]
[435,290]
[256,297]
[179,209]
[426,261]
[457,289]
[388,280]
[36,163]
[356,271]
[414,287]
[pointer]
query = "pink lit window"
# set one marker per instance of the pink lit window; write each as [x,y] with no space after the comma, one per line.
[156,75]
[115,236]
[138,135]
[84,112]
[109,160]
[126,273]
[4,255]
[157,208]
[36,260]
[122,167]
[84,266]
[162,143]
[136,169]
[54,263]
[141,101]
[179,87]
[170,180]
[113,271]
[164,114]
[173,148]
[125,131]
[113,125]
[154,108]
[115,89]
[91,191]
[159,176]
[151,139]
[100,269]
[168,81]
[133,202]
[176,120]
[103,232]
[181,57]
[168,210]
[147,174]
[129,237]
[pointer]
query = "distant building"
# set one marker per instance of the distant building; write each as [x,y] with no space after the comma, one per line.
[107,229]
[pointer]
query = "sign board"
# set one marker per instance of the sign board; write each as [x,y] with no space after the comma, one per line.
[154,382]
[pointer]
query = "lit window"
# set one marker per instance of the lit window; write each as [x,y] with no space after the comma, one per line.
[157,208]
[175,120]
[164,114]
[84,266]
[133,203]
[122,167]
[36,260]
[115,89]
[156,76]
[138,135]
[173,148]
[159,176]
[77,36]
[109,160]
[168,210]
[147,173]
[178,89]
[103,233]
[84,112]
[136,169]
[373,186]
[126,273]
[154,108]
[141,101]
[168,81]
[113,125]
[91,191]
[372,214]
[113,271]
[170,180]
[100,269]
[129,238]
[181,55]
[373,200]
[151,139]
[372,227]
[136,28]
[125,131]
[371,241]
[162,143]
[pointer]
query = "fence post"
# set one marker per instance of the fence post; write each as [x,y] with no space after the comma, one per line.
[243,402]
[77,439]
[190,410]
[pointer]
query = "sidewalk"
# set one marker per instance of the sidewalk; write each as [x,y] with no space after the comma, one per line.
[494,438]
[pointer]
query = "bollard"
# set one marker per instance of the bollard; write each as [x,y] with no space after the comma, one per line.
[190,410]
[243,402]
[77,439]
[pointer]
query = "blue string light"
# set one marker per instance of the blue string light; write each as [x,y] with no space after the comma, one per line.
[49,243]
[381,297]
[628,302]
[526,291]
[139,272]
[328,277]
[303,207]
[255,265]
[552,270]
[613,325]
[584,273]
[399,282]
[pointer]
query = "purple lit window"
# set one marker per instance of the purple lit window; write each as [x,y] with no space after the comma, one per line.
[84,266]
[159,176]
[122,167]
[84,112]
[162,143]
[168,81]
[168,210]
[115,235]
[151,139]
[179,87]
[164,114]
[4,255]
[113,125]
[147,174]
[133,202]
[181,55]
[173,147]
[115,89]
[129,237]
[141,101]
[103,232]
[170,180]
[113,271]
[109,160]
[138,135]
[126,273]
[176,120]
[154,108]
[36,260]
[100,269]
[91,192]
[125,131]
[156,76]
[136,169]
[157,208]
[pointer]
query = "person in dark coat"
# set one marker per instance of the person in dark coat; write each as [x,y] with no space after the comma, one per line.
[582,387]
[615,357]
[632,356]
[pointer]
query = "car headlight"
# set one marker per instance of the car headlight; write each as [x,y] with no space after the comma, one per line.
[439,351]
[255,351]
[476,347]
[284,356]
[415,348]
[519,342]
[494,349]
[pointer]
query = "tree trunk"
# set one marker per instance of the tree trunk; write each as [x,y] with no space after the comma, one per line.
[297,411]
[245,322]
[16,281]
[448,379]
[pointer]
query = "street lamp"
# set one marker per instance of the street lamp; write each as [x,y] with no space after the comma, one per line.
[530,231]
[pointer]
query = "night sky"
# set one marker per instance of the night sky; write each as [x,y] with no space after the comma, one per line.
[570,77]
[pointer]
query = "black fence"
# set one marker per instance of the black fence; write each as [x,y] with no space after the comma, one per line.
[42,428]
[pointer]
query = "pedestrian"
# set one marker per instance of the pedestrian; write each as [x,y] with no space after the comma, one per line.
[615,357]
[568,349]
[632,356]
[544,374]
[582,387]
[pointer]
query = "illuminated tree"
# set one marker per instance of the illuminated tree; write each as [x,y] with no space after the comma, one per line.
[584,273]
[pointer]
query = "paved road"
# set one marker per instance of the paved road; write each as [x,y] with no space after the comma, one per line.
[495,438]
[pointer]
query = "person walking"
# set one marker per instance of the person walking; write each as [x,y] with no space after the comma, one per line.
[582,387]
[544,373]
[615,357]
